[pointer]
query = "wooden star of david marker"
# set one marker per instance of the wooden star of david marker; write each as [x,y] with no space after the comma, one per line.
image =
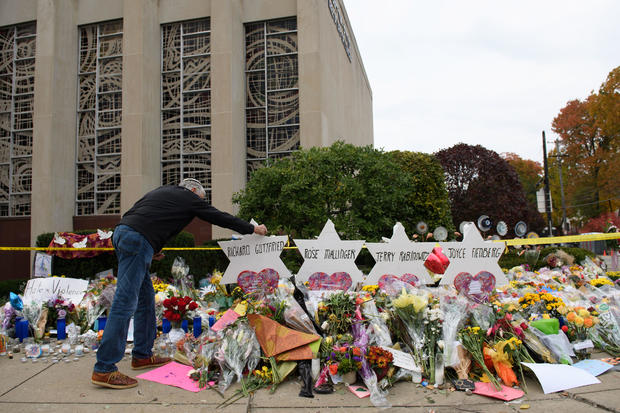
[254,253]
[398,256]
[473,255]
[328,254]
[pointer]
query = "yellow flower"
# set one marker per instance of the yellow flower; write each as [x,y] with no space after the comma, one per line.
[584,313]
[578,321]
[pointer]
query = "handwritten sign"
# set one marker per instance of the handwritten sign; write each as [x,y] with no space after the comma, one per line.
[399,256]
[473,255]
[254,253]
[42,289]
[42,266]
[328,254]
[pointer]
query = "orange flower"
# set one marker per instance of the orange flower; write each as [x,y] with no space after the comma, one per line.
[357,351]
[588,322]
[333,368]
[342,349]
[570,317]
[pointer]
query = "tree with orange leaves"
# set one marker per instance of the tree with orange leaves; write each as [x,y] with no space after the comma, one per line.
[589,130]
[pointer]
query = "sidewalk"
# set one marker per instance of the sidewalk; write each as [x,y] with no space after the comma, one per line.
[66,386]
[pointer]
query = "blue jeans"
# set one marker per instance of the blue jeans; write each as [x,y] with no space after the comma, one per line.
[134,297]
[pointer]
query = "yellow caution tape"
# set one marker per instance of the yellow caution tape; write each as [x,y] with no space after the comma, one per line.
[516,241]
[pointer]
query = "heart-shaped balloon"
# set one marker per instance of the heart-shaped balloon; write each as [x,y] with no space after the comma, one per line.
[407,278]
[324,281]
[433,264]
[445,261]
[476,287]
[265,281]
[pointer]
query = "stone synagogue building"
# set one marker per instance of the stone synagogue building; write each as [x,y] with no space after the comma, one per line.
[102,101]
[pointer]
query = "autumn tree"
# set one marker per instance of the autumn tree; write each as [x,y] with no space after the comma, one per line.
[589,130]
[530,174]
[480,182]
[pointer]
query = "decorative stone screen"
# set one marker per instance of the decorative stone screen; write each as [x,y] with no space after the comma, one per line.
[17,56]
[99,119]
[272,91]
[186,103]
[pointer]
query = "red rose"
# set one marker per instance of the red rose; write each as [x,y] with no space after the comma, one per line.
[193,306]
[176,317]
[167,303]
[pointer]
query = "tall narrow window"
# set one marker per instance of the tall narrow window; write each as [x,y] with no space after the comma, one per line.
[186,103]
[272,91]
[99,119]
[17,58]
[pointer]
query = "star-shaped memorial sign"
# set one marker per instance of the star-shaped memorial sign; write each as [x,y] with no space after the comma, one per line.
[328,260]
[399,256]
[254,261]
[473,268]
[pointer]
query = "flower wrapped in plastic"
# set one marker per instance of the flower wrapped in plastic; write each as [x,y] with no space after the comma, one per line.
[455,311]
[239,349]
[377,396]
[182,280]
[378,331]
[32,311]
[410,311]
[294,316]
[606,334]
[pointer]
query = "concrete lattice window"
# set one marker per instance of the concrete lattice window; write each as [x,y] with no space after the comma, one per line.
[17,57]
[186,102]
[272,91]
[98,163]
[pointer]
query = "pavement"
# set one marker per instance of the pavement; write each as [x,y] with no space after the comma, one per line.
[65,386]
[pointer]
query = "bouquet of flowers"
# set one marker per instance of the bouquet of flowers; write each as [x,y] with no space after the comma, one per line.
[380,360]
[239,349]
[578,323]
[176,309]
[344,359]
[606,333]
[335,313]
[410,310]
[183,281]
[58,308]
[473,341]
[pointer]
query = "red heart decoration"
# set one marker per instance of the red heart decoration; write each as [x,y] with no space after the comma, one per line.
[476,287]
[407,278]
[265,281]
[323,281]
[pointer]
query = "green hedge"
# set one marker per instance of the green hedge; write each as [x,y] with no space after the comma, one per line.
[8,286]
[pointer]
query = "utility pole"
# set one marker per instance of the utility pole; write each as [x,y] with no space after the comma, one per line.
[559,157]
[547,194]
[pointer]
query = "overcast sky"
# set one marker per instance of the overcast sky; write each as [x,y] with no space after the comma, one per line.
[493,73]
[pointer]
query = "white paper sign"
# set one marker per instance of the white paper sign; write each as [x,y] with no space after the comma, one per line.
[328,254]
[582,345]
[42,265]
[558,377]
[473,255]
[399,256]
[402,359]
[42,289]
[254,253]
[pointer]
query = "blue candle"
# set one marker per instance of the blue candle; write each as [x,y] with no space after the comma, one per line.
[61,333]
[184,325]
[101,323]
[21,330]
[197,326]
[165,325]
[211,320]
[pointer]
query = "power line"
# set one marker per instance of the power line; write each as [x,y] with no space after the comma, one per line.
[591,203]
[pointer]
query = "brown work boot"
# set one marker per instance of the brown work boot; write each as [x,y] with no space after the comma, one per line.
[153,361]
[113,380]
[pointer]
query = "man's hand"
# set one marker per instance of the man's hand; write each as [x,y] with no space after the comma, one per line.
[260,229]
[159,256]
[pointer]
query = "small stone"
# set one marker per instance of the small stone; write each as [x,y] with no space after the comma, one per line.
[524,406]
[468,392]
[24,359]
